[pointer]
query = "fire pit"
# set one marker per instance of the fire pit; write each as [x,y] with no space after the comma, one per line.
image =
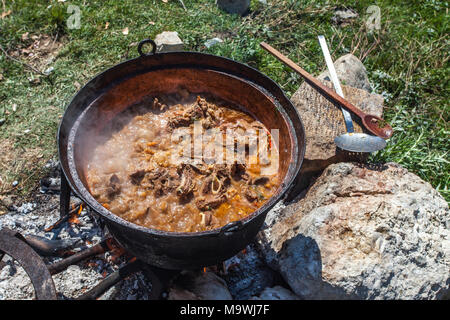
[40,258]
[74,257]
[128,83]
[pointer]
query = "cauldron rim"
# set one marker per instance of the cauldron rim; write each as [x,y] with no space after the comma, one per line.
[291,174]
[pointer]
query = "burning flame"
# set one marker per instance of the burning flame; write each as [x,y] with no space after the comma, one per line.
[74,217]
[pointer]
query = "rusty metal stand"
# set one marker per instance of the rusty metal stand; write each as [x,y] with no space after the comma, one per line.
[64,196]
[13,244]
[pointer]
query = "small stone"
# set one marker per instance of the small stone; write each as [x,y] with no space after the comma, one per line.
[26,208]
[49,70]
[50,184]
[234,6]
[15,183]
[52,164]
[2,121]
[200,285]
[212,42]
[168,41]
[344,16]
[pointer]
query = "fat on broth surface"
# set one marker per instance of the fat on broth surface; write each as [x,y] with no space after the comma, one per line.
[131,172]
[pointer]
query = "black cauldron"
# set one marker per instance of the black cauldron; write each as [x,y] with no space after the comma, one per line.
[129,82]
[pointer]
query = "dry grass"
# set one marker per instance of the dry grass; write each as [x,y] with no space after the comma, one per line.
[18,164]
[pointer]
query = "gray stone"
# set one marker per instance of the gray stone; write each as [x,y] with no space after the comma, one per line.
[168,41]
[247,274]
[363,232]
[277,293]
[234,6]
[199,286]
[212,42]
[351,72]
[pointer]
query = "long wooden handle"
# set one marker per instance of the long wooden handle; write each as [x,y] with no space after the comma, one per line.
[325,91]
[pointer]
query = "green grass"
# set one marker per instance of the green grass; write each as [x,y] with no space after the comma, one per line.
[407,62]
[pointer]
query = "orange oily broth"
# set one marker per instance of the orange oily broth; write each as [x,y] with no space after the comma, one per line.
[141,140]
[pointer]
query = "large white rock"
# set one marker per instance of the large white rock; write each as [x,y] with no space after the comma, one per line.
[363,233]
[351,72]
[168,41]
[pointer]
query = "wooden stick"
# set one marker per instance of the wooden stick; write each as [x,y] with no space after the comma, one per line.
[325,91]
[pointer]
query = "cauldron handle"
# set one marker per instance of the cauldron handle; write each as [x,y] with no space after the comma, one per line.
[231,228]
[139,48]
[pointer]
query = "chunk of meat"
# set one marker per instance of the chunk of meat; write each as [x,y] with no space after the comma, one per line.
[223,172]
[238,171]
[191,114]
[210,202]
[250,194]
[137,177]
[218,181]
[166,182]
[206,185]
[187,184]
[113,188]
[201,110]
[209,220]
[200,168]
[179,121]
[155,174]
[258,180]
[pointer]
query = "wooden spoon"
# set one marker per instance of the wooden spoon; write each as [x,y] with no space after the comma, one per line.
[374,124]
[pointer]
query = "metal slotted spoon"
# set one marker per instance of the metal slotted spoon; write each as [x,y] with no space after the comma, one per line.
[350,141]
